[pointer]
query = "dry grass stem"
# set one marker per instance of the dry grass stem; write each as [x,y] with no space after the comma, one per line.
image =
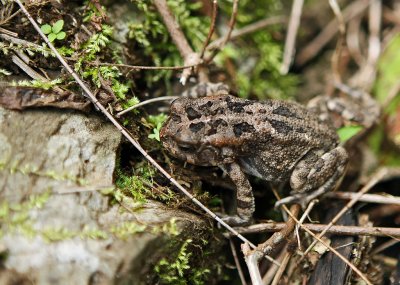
[318,43]
[149,101]
[339,45]
[252,264]
[212,27]
[251,28]
[281,268]
[138,67]
[290,42]
[189,56]
[318,239]
[227,37]
[367,74]
[378,176]
[272,270]
[318,228]
[368,198]
[237,262]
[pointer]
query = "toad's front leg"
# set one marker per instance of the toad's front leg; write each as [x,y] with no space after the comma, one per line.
[316,174]
[245,205]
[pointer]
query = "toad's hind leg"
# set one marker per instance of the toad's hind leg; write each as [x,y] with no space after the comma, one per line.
[245,205]
[316,174]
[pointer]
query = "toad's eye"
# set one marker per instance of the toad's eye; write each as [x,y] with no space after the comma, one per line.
[186,148]
[208,154]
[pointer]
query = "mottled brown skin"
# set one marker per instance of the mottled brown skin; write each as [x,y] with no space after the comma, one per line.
[274,140]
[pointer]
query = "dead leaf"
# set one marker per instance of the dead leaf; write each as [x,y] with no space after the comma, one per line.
[20,98]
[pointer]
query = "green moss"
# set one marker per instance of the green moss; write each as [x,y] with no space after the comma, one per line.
[171,228]
[127,229]
[15,216]
[177,269]
[93,233]
[57,234]
[257,56]
[28,169]
[150,35]
[140,186]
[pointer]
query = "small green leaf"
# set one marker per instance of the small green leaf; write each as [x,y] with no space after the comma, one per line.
[57,27]
[155,135]
[46,29]
[61,36]
[345,133]
[52,37]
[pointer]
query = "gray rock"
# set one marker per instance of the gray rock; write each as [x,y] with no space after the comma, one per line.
[57,228]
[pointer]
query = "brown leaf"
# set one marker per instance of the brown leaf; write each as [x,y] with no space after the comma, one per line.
[20,98]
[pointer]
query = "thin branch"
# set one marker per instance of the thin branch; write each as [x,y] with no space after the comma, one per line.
[152,100]
[374,180]
[367,74]
[186,51]
[353,40]
[368,198]
[7,32]
[269,245]
[318,228]
[226,38]
[330,30]
[252,264]
[318,239]
[393,92]
[272,270]
[303,217]
[282,268]
[26,68]
[144,67]
[253,257]
[19,41]
[212,27]
[249,29]
[294,23]
[341,40]
[173,28]
[3,22]
[129,137]
[237,262]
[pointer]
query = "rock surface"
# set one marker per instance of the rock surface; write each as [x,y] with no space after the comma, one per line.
[56,228]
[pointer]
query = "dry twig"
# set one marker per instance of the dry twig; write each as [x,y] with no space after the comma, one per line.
[368,198]
[152,100]
[212,27]
[189,56]
[282,268]
[226,38]
[138,67]
[252,265]
[316,45]
[253,257]
[318,228]
[291,35]
[378,176]
[318,239]
[366,76]
[339,45]
[237,262]
[248,29]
